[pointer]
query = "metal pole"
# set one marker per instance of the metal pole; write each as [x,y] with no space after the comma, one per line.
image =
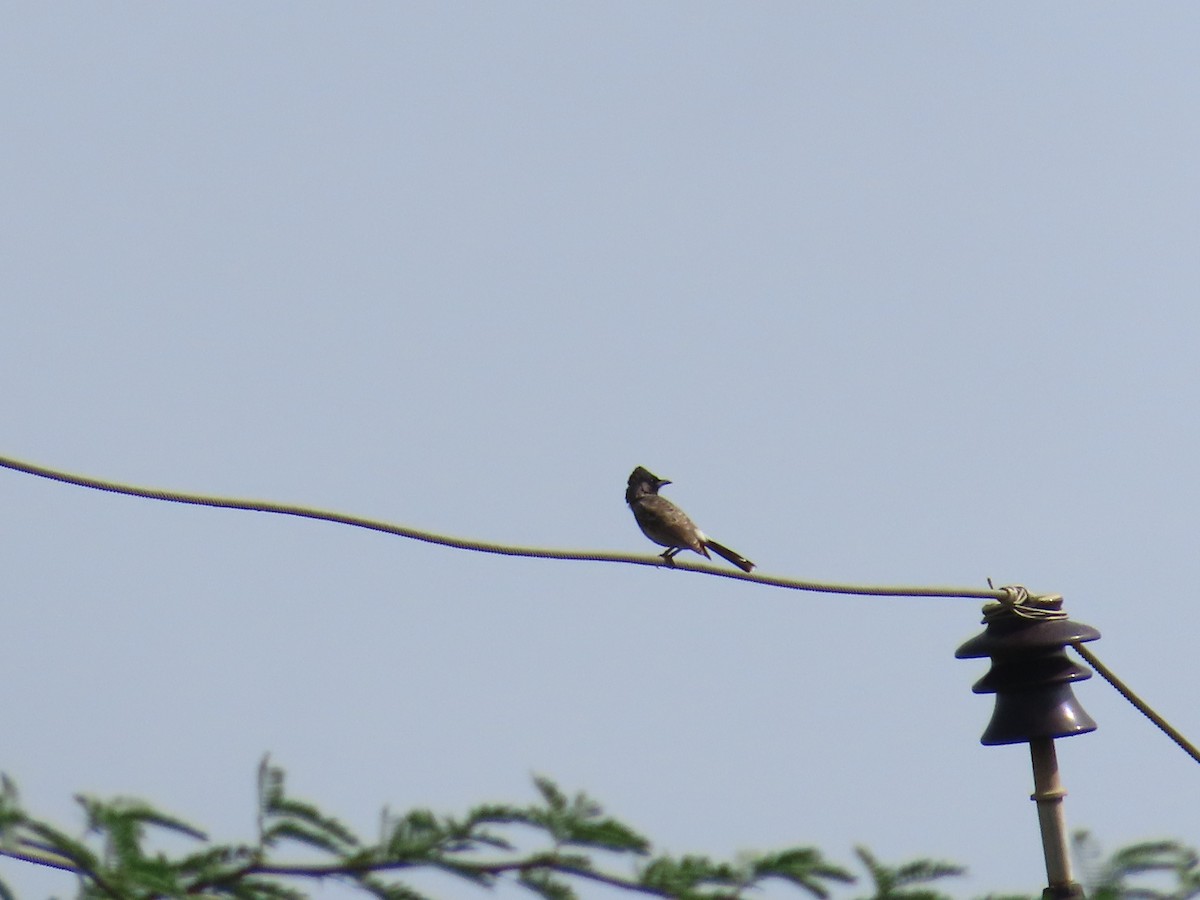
[1048,793]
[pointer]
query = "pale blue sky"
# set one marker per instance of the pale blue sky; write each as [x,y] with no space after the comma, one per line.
[893,293]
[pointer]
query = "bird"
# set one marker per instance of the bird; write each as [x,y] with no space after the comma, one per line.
[668,525]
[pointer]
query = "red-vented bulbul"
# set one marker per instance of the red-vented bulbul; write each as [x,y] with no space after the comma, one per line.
[668,525]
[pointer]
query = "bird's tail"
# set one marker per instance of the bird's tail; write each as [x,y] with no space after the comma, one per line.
[736,558]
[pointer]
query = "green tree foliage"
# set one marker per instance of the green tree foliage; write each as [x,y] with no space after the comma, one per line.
[573,843]
[907,882]
[1152,870]
[573,834]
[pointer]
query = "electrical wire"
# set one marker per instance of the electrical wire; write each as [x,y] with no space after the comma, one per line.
[429,537]
[1013,599]
[1138,703]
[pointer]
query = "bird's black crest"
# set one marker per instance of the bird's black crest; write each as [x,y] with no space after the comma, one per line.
[641,474]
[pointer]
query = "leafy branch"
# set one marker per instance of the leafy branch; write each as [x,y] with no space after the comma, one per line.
[573,842]
[1150,870]
[573,835]
[907,882]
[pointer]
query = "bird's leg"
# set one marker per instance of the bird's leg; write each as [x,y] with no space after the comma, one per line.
[669,555]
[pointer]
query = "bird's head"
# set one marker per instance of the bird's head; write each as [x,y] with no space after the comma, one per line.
[642,482]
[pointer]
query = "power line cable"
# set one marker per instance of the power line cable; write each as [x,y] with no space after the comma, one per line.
[429,537]
[1015,598]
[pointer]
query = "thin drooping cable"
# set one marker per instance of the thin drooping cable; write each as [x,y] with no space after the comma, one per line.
[1014,598]
[417,534]
[1138,703]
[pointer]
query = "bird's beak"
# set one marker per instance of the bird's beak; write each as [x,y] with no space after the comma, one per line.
[663,481]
